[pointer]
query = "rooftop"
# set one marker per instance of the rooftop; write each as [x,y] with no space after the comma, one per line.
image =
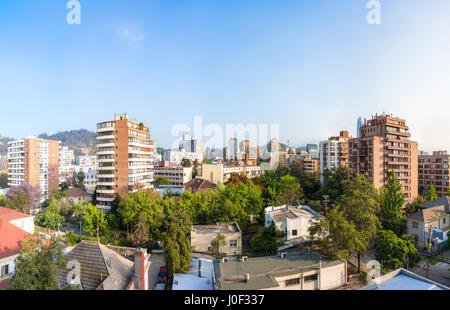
[264,270]
[282,213]
[219,228]
[101,267]
[429,213]
[402,279]
[199,277]
[10,235]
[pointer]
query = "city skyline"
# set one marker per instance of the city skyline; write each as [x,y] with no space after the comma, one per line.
[228,62]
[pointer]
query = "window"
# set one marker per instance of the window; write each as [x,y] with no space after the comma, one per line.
[444,220]
[312,277]
[291,282]
[5,270]
[233,243]
[415,225]
[294,232]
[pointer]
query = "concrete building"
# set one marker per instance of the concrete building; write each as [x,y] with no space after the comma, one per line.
[333,153]
[86,160]
[294,270]
[434,170]
[384,146]
[176,174]
[403,280]
[435,218]
[36,162]
[307,164]
[219,174]
[124,151]
[14,226]
[294,221]
[175,157]
[3,163]
[202,235]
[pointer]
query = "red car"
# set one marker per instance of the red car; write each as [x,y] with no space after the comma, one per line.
[162,276]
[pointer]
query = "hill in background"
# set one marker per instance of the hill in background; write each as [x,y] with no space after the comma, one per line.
[81,141]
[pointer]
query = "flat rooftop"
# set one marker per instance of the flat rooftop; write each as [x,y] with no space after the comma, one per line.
[264,270]
[219,228]
[402,279]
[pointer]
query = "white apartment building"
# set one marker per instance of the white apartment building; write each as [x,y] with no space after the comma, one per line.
[175,157]
[176,174]
[87,161]
[333,153]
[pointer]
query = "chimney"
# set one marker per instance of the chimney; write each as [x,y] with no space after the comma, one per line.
[140,269]
[247,277]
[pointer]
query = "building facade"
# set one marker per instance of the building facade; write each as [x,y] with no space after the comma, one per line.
[202,235]
[383,146]
[333,153]
[124,151]
[176,174]
[175,157]
[434,170]
[36,162]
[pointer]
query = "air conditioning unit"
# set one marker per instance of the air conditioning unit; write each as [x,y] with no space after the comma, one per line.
[284,255]
[238,253]
[247,277]
[225,260]
[244,259]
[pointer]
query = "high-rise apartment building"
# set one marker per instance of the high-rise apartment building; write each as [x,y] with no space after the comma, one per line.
[36,162]
[434,169]
[333,152]
[124,156]
[383,146]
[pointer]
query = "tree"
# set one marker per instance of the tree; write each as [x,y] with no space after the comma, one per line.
[361,206]
[37,265]
[161,181]
[392,202]
[334,235]
[393,251]
[334,182]
[80,180]
[63,186]
[2,200]
[413,206]
[217,243]
[268,239]
[23,198]
[185,162]
[140,236]
[3,180]
[196,164]
[49,220]
[93,220]
[285,190]
[176,230]
[432,196]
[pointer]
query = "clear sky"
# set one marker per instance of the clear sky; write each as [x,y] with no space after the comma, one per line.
[312,66]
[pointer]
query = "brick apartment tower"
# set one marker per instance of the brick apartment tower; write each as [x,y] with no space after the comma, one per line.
[384,145]
[434,169]
[124,155]
[36,162]
[333,152]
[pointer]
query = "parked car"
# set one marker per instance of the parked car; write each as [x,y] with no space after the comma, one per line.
[162,276]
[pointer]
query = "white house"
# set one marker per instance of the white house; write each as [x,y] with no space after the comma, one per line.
[14,226]
[294,221]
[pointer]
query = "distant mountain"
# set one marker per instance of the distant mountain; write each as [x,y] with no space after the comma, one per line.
[4,145]
[81,141]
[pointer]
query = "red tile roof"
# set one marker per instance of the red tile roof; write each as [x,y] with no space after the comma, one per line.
[10,235]
[4,284]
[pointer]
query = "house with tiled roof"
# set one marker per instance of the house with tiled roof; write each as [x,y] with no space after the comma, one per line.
[94,266]
[199,185]
[14,226]
[76,195]
[434,217]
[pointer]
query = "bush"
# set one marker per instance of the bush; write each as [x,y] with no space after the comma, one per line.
[74,239]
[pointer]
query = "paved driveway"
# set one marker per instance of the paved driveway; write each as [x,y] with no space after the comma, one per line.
[156,261]
[438,273]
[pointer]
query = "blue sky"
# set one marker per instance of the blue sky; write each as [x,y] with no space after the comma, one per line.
[312,66]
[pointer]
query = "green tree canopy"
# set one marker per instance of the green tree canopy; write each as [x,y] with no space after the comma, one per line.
[267,240]
[432,196]
[37,266]
[393,251]
[392,202]
[161,181]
